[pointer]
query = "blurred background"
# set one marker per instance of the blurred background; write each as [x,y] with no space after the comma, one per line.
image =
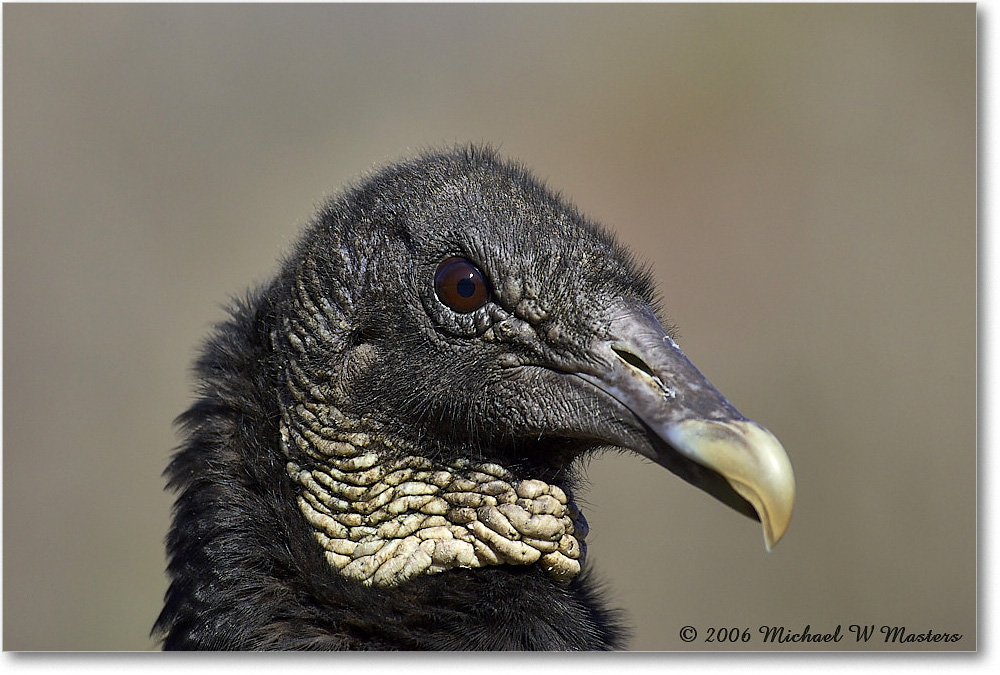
[802,180]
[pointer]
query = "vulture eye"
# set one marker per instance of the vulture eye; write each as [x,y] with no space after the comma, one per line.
[460,285]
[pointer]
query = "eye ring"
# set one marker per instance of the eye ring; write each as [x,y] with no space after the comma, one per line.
[460,285]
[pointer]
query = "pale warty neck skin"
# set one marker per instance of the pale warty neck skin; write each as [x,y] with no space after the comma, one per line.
[382,510]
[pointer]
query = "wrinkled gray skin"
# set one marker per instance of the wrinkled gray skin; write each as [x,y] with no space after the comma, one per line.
[569,355]
[494,381]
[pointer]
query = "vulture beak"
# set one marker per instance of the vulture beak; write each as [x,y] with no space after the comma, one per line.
[693,430]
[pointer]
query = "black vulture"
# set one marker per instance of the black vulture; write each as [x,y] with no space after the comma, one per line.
[384,447]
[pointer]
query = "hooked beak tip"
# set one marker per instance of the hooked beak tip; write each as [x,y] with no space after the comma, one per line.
[751,460]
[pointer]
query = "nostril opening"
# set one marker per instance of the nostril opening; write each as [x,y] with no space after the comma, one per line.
[634,361]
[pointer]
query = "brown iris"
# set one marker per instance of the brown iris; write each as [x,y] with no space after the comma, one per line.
[460,285]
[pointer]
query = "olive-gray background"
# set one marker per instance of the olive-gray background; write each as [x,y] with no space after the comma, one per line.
[802,180]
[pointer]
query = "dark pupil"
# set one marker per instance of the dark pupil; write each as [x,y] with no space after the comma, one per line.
[460,285]
[466,287]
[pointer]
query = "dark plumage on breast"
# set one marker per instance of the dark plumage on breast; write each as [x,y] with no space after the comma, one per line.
[382,454]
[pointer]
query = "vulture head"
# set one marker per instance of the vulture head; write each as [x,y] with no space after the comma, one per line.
[383,451]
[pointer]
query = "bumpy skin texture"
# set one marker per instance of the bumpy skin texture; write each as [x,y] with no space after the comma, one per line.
[352,325]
